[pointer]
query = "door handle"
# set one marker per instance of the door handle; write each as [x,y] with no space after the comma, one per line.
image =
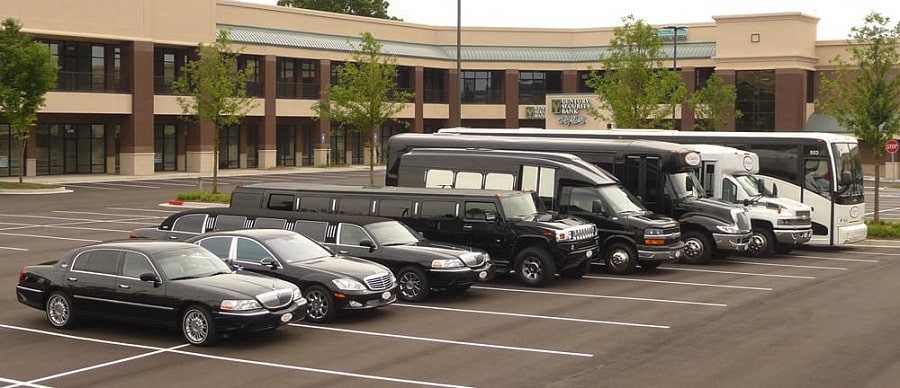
[467,227]
[124,286]
[72,279]
[173,237]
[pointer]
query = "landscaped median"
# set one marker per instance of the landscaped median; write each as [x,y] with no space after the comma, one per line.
[200,199]
[31,188]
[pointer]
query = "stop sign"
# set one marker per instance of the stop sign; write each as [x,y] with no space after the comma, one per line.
[892,146]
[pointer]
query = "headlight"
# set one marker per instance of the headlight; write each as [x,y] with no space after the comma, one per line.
[297,294]
[348,284]
[239,305]
[487,257]
[653,232]
[447,263]
[728,228]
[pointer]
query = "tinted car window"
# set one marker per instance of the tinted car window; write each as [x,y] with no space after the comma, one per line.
[478,210]
[252,251]
[438,209]
[353,206]
[281,202]
[100,261]
[315,204]
[219,246]
[135,264]
[394,207]
[190,223]
[350,234]
[189,262]
[312,229]
[269,223]
[226,222]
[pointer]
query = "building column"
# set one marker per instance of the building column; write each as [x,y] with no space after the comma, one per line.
[511,92]
[266,143]
[689,76]
[453,91]
[323,126]
[728,78]
[570,81]
[418,124]
[136,136]
[790,100]
[200,147]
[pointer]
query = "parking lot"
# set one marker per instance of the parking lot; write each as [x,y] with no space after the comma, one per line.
[817,317]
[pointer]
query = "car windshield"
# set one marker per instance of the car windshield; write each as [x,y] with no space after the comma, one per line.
[617,200]
[518,206]
[293,248]
[392,233]
[190,262]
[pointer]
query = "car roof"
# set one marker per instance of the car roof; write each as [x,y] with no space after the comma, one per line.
[286,214]
[252,233]
[140,245]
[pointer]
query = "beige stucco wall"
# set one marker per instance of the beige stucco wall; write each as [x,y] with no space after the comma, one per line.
[73,102]
[785,40]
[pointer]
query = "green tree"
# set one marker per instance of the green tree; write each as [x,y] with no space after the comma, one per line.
[27,72]
[638,90]
[213,89]
[713,105]
[365,95]
[369,8]
[863,93]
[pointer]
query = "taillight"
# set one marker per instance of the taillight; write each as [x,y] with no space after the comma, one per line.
[22,275]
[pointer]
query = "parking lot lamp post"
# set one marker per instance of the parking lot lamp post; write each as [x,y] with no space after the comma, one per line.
[674,67]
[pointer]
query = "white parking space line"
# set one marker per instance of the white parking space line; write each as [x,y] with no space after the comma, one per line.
[168,183]
[231,359]
[63,226]
[606,278]
[125,185]
[68,185]
[17,383]
[49,237]
[14,249]
[443,341]
[129,219]
[883,211]
[518,315]
[631,298]
[103,214]
[742,273]
[142,210]
[836,259]
[785,265]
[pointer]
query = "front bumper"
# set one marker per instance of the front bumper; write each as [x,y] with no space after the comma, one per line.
[458,277]
[793,236]
[852,233]
[662,253]
[367,300]
[571,255]
[732,242]
[261,319]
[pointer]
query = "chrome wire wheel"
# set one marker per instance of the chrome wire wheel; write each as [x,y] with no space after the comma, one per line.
[59,310]
[196,326]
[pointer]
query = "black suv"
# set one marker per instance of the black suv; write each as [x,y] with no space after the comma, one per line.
[421,266]
[512,226]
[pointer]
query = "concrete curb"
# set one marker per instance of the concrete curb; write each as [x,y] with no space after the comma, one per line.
[192,205]
[58,190]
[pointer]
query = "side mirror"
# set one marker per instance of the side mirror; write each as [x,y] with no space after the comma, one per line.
[688,184]
[367,243]
[774,190]
[761,185]
[150,277]
[268,262]
[490,216]
[846,179]
[597,207]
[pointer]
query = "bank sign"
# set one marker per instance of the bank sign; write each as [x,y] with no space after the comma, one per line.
[570,111]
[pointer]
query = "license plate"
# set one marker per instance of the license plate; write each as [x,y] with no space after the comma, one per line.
[286,317]
[386,295]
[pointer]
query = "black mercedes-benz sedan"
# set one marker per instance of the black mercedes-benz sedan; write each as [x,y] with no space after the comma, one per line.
[158,283]
[330,282]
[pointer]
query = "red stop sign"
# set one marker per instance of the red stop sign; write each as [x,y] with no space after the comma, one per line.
[892,146]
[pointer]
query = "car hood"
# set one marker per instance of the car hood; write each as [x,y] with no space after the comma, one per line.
[238,285]
[436,250]
[342,266]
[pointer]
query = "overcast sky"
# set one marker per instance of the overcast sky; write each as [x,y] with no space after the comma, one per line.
[836,17]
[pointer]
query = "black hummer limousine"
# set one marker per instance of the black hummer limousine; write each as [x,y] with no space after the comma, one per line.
[512,226]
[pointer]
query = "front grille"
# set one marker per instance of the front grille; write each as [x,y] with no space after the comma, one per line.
[379,281]
[473,259]
[276,299]
[583,232]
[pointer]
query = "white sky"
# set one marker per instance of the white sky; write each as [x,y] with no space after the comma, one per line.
[836,17]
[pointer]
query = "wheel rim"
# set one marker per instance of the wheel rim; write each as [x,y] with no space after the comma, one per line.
[758,243]
[318,305]
[619,259]
[693,248]
[410,284]
[58,310]
[531,268]
[196,327]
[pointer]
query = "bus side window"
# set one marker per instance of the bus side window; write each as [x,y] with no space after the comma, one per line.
[439,178]
[499,181]
[469,180]
[709,179]
[729,191]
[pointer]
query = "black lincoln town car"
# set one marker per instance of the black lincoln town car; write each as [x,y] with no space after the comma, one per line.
[158,283]
[329,282]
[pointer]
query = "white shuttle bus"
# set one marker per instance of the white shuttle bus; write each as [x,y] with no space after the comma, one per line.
[822,170]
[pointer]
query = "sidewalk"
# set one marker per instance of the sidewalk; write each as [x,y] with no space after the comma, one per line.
[81,178]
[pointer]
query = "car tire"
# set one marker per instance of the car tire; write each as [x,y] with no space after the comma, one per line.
[698,248]
[620,258]
[322,306]
[58,308]
[198,327]
[413,284]
[762,242]
[535,267]
[577,272]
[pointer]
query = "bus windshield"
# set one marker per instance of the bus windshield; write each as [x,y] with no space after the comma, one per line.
[849,177]
[679,184]
[750,184]
[619,201]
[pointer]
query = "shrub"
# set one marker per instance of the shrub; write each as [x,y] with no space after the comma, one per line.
[884,229]
[202,196]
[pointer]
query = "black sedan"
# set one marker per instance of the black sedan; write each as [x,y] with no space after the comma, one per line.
[165,284]
[330,282]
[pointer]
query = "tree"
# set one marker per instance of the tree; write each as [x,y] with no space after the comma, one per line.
[213,89]
[638,90]
[369,8]
[713,105]
[365,95]
[27,72]
[863,94]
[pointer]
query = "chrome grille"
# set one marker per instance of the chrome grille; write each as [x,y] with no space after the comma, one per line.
[276,299]
[582,232]
[379,281]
